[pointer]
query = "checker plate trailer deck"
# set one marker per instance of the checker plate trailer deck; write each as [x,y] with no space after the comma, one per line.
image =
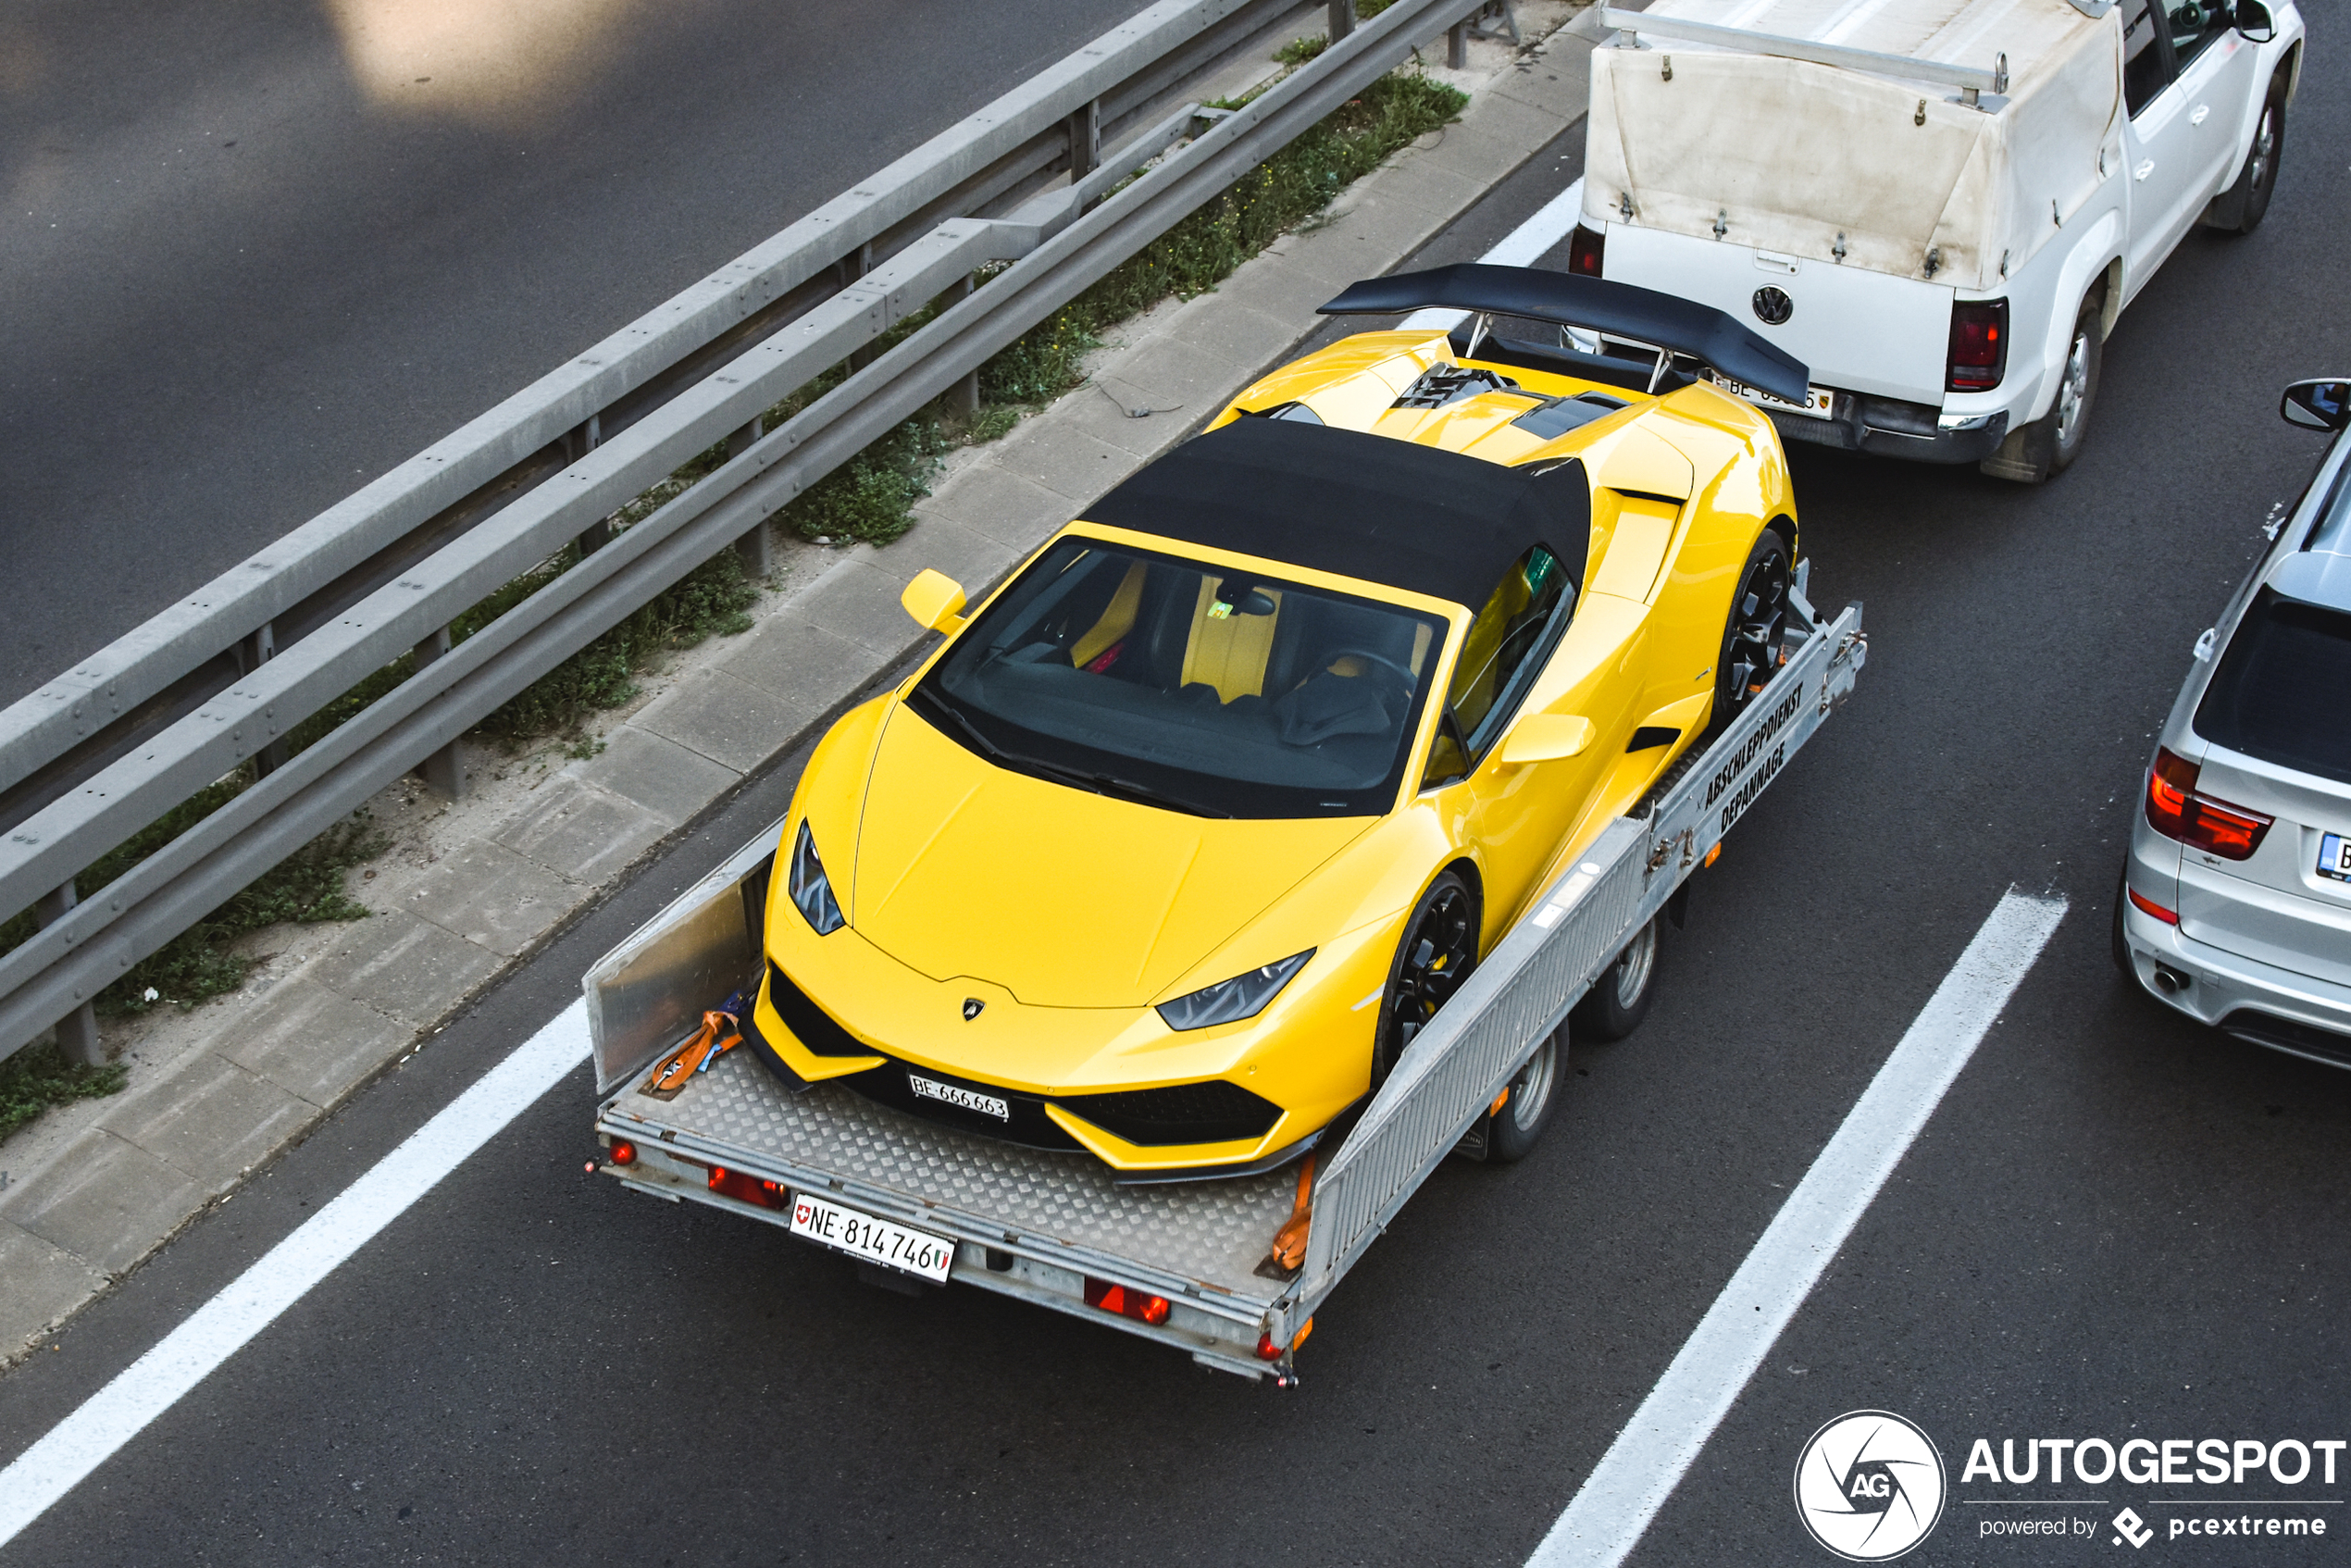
[1187,1264]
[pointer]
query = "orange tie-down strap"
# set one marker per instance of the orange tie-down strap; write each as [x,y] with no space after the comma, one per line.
[718,1034]
[1290,1243]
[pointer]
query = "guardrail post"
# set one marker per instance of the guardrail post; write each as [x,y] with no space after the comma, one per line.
[252,653]
[1457,44]
[443,772]
[963,398]
[578,443]
[753,550]
[1342,19]
[850,268]
[78,1030]
[1084,131]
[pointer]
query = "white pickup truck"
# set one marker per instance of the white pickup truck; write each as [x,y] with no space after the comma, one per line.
[1940,206]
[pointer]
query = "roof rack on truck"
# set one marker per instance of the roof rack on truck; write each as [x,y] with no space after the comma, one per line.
[1190,1265]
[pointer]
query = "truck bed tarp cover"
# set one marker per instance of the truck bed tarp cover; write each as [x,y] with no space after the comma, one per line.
[1796,157]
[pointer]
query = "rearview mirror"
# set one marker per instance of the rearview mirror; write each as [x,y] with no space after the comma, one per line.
[935,600]
[2317,405]
[1547,738]
[2253,22]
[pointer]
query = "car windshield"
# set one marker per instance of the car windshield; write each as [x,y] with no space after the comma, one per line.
[2282,687]
[1189,686]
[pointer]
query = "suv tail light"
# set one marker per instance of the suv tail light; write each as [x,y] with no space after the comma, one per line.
[1585,249]
[1979,346]
[2176,811]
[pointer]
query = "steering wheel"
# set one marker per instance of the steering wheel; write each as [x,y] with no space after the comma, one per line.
[1400,671]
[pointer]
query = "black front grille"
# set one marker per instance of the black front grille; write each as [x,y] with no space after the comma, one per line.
[2286,1034]
[1214,1112]
[811,1024]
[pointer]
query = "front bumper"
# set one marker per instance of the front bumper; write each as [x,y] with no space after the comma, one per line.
[1887,427]
[2259,1002]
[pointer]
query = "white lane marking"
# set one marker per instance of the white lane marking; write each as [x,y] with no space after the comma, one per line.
[1608,1514]
[154,1383]
[1523,246]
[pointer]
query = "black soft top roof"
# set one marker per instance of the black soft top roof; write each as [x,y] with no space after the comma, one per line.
[1621,310]
[1367,506]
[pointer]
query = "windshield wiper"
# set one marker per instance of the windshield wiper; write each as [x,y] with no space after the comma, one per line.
[1094,783]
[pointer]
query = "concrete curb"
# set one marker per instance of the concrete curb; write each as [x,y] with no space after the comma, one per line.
[499,876]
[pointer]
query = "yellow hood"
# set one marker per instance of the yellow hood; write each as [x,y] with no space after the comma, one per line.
[1064,898]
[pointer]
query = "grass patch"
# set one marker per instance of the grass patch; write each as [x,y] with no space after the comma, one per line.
[1298,50]
[40,1077]
[1289,188]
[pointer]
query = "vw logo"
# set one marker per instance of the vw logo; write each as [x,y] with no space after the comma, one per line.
[1869,1486]
[1772,307]
[973,1008]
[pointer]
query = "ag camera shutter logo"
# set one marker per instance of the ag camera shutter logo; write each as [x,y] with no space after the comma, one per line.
[1869,1486]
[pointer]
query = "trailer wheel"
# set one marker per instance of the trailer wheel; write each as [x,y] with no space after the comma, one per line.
[1751,633]
[1619,999]
[1438,951]
[1511,1131]
[2047,446]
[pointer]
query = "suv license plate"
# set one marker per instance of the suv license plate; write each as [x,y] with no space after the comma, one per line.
[2334,857]
[1818,403]
[877,1240]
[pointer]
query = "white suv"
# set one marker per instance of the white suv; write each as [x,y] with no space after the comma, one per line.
[1940,206]
[2236,906]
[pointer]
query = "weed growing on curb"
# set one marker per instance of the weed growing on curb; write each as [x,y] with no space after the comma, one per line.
[40,1077]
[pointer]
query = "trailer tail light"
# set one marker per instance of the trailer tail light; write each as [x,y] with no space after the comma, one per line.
[2176,811]
[1585,250]
[623,1152]
[1125,1302]
[1268,1350]
[1979,346]
[2148,906]
[744,1188]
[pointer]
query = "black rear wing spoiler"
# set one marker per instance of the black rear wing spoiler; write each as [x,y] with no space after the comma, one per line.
[1659,322]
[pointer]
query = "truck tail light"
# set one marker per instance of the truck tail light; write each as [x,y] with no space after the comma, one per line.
[623,1152]
[1585,248]
[1268,1350]
[744,1188]
[1979,346]
[1125,1302]
[2176,811]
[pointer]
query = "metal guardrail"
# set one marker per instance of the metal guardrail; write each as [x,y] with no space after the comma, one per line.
[398,601]
[1453,1069]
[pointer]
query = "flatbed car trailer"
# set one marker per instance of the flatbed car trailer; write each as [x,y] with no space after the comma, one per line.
[1187,1264]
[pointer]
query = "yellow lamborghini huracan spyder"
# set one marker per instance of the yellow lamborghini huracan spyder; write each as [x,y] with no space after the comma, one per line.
[1164,854]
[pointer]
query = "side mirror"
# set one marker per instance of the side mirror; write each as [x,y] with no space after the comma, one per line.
[1547,738]
[935,600]
[2317,405]
[2253,20]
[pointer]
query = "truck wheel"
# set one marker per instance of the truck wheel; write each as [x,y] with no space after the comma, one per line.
[1619,999]
[2046,447]
[1511,1131]
[1438,951]
[2239,209]
[1751,633]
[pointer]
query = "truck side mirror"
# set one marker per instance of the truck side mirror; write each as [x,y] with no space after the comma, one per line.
[2317,405]
[1547,738]
[935,600]
[2254,21]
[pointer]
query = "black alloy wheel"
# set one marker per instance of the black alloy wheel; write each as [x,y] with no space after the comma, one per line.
[1438,951]
[1753,632]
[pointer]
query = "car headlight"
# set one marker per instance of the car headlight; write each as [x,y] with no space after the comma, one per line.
[1228,1002]
[809,887]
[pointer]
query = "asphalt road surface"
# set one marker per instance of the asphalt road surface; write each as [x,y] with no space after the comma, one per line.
[252,255]
[2116,1223]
